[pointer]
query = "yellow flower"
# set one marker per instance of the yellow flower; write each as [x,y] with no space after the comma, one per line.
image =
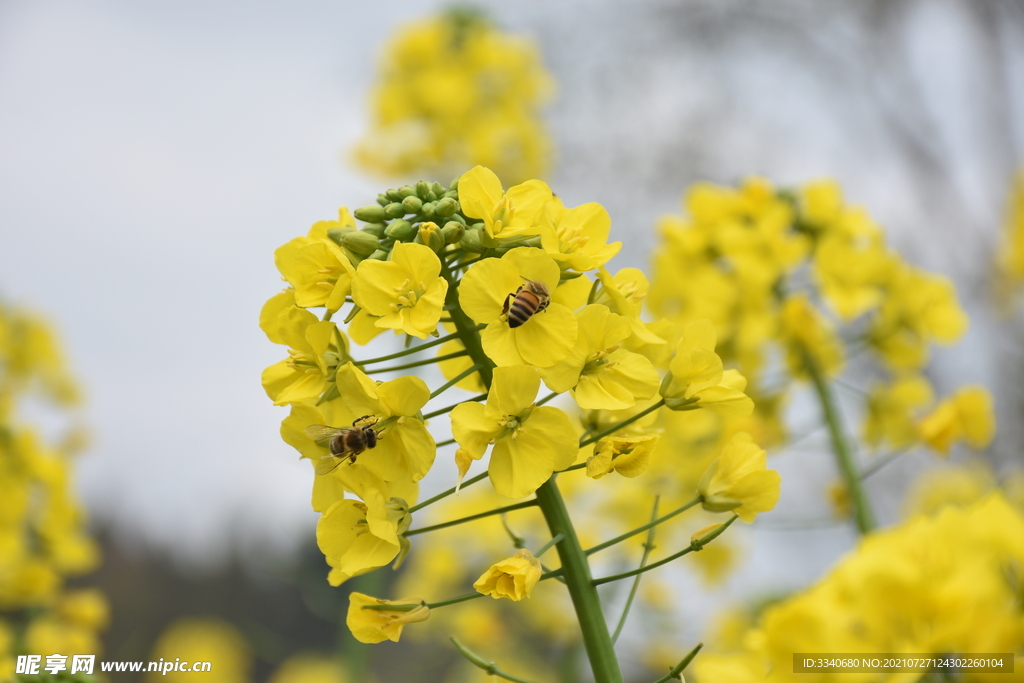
[806,330]
[405,449]
[578,238]
[530,442]
[513,578]
[967,415]
[87,607]
[516,213]
[627,455]
[696,378]
[739,482]
[600,373]
[319,270]
[405,293]
[203,640]
[890,411]
[315,349]
[376,625]
[310,667]
[356,536]
[546,337]
[624,293]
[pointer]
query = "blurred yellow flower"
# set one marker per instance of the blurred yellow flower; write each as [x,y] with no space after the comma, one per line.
[203,640]
[696,378]
[627,455]
[968,416]
[310,667]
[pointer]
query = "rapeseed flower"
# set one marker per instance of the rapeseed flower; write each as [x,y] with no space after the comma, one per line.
[530,442]
[512,578]
[968,416]
[516,213]
[600,373]
[377,625]
[405,293]
[696,378]
[627,455]
[739,482]
[546,337]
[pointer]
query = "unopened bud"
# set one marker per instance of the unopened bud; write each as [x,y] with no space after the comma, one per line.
[412,204]
[437,188]
[370,214]
[453,232]
[379,255]
[406,191]
[446,207]
[451,194]
[375,229]
[430,235]
[359,242]
[431,196]
[394,210]
[394,195]
[422,188]
[336,235]
[400,230]
[429,209]
[454,185]
[383,200]
[471,242]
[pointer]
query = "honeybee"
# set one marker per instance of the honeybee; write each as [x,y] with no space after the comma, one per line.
[344,443]
[531,298]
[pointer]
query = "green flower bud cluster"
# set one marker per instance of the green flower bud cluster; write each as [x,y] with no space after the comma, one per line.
[424,213]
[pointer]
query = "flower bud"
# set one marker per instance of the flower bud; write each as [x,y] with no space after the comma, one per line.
[359,242]
[430,235]
[513,578]
[429,209]
[422,188]
[446,207]
[453,232]
[406,191]
[370,214]
[471,242]
[454,185]
[383,200]
[375,229]
[400,230]
[336,235]
[394,196]
[451,194]
[431,196]
[394,210]
[437,188]
[412,204]
[379,255]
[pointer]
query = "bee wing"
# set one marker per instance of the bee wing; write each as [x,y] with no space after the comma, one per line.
[329,463]
[322,433]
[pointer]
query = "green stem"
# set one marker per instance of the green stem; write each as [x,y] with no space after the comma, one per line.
[648,547]
[471,518]
[455,380]
[418,363]
[406,352]
[676,672]
[883,461]
[547,546]
[841,445]
[442,411]
[640,529]
[582,589]
[694,545]
[490,667]
[624,423]
[465,329]
[445,494]
[547,398]
[444,443]
[453,601]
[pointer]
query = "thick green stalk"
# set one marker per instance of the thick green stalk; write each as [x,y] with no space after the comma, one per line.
[576,570]
[862,514]
[466,329]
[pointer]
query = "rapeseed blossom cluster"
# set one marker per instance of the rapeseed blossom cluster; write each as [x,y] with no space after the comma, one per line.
[800,285]
[43,535]
[1011,256]
[454,90]
[507,290]
[946,583]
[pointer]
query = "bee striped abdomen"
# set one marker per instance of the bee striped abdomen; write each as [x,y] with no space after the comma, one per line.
[523,307]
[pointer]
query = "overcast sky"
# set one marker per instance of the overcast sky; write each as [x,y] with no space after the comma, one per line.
[153,155]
